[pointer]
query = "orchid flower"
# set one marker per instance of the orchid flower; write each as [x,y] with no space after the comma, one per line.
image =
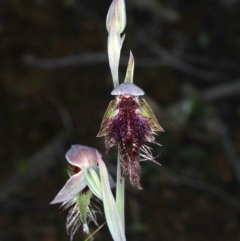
[130,123]
[88,178]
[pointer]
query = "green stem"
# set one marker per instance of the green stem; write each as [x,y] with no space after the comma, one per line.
[120,189]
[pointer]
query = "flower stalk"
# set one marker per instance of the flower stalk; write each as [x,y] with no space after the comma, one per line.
[120,191]
[115,24]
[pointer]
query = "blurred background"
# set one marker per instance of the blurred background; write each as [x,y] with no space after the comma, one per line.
[55,85]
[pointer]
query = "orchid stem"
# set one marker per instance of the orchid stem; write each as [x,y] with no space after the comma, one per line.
[120,189]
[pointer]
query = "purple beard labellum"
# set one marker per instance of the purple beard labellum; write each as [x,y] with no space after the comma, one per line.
[130,123]
[129,130]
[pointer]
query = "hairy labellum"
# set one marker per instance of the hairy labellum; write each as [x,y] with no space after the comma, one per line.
[129,122]
[80,212]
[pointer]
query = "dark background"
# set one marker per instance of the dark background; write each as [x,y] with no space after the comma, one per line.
[54,88]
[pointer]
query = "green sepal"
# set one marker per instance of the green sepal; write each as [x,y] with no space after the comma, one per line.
[147,112]
[109,113]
